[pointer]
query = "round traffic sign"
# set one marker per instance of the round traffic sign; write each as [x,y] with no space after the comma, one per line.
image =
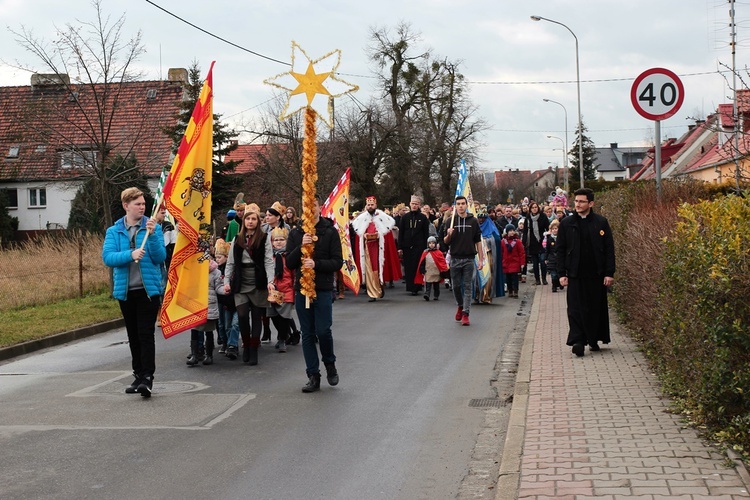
[657,94]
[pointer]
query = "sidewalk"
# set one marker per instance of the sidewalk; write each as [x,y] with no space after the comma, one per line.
[597,426]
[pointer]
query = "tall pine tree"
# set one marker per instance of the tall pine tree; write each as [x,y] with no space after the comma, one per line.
[225,182]
[589,157]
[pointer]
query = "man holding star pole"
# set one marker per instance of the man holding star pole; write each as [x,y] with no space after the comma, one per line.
[315,248]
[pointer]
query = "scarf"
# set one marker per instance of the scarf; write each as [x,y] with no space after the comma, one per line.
[535,226]
[278,256]
[510,243]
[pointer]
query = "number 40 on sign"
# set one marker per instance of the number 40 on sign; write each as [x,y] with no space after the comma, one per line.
[657,94]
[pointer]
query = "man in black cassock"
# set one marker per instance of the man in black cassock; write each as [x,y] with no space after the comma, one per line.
[413,231]
[586,265]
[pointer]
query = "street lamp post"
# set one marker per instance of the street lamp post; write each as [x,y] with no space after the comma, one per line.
[565,144]
[578,87]
[565,158]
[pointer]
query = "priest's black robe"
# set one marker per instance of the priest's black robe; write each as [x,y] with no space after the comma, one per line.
[585,255]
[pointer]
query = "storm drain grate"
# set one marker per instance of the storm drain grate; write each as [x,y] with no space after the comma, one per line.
[487,403]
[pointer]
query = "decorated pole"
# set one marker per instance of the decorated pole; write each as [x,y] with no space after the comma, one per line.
[309,180]
[309,87]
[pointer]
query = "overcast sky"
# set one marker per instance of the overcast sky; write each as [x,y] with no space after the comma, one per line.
[512,61]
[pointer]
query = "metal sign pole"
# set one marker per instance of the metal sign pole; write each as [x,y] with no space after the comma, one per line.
[657,158]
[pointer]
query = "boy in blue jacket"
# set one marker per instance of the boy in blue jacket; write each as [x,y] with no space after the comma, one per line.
[137,282]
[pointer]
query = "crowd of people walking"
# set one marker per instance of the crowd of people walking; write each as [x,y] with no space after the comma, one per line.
[478,252]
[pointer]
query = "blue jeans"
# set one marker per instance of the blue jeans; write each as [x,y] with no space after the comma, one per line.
[229,322]
[463,272]
[316,321]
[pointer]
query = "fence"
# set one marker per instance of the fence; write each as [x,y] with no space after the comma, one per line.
[50,269]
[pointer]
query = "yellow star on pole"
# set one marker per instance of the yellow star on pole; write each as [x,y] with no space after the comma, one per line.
[310,83]
[306,89]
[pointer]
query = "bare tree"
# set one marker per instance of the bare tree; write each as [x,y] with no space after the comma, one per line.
[89,61]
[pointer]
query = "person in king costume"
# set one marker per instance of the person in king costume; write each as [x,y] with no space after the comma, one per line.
[378,257]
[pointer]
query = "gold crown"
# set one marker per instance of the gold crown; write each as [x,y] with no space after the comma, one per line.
[280,232]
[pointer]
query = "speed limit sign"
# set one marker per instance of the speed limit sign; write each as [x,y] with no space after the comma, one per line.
[657,94]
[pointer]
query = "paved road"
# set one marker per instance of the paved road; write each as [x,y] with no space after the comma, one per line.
[399,424]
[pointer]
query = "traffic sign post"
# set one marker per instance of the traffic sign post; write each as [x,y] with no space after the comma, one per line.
[656,95]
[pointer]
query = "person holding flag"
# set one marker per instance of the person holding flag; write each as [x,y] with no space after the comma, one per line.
[378,257]
[134,249]
[464,240]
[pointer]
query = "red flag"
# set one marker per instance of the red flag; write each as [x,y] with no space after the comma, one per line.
[336,208]
[187,195]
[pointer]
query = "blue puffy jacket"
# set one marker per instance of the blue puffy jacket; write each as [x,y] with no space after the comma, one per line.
[116,254]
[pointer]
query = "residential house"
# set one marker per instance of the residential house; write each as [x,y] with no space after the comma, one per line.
[538,185]
[708,151]
[614,163]
[48,135]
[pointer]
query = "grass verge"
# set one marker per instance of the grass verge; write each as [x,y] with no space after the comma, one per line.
[30,323]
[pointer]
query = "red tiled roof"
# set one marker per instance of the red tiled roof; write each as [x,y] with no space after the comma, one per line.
[27,114]
[249,155]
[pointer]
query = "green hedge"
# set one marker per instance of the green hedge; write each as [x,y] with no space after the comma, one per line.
[683,291]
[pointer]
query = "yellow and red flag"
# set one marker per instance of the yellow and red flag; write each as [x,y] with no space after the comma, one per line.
[336,208]
[187,195]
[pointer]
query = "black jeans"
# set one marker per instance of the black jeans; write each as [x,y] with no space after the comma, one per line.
[139,312]
[428,286]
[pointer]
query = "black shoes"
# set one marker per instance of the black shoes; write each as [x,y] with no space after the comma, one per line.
[144,388]
[133,387]
[595,347]
[253,357]
[371,299]
[544,281]
[578,350]
[232,352]
[294,338]
[332,374]
[313,384]
[426,297]
[245,354]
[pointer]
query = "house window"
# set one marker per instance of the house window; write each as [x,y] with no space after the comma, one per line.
[37,198]
[11,196]
[13,152]
[77,159]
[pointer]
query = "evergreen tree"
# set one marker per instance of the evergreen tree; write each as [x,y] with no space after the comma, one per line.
[589,156]
[225,182]
[8,224]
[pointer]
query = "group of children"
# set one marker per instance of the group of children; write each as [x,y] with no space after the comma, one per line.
[222,314]
[433,265]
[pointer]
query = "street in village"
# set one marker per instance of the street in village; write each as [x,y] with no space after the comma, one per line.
[417,392]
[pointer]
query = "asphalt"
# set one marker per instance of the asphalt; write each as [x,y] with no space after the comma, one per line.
[599,426]
[590,427]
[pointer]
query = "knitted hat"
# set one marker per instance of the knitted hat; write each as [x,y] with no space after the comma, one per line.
[431,239]
[510,227]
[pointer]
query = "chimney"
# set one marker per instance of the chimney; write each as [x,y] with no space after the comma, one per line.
[49,79]
[177,75]
[613,145]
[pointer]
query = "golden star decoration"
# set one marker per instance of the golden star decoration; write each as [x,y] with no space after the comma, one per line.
[315,87]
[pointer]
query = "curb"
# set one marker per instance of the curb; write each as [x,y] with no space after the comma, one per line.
[60,338]
[509,476]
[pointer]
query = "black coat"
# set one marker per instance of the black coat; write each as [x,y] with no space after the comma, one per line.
[530,243]
[258,254]
[568,245]
[327,254]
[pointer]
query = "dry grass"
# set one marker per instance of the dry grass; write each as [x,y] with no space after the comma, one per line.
[48,270]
